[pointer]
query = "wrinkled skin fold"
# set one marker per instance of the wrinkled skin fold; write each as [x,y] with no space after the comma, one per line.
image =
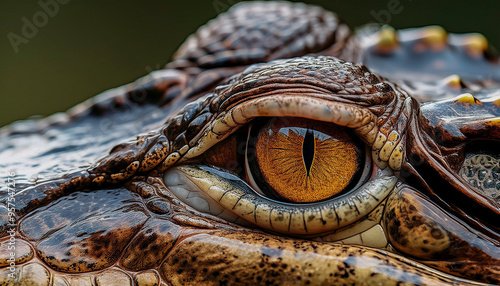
[163,208]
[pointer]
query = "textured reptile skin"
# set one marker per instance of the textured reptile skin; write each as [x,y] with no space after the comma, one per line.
[97,188]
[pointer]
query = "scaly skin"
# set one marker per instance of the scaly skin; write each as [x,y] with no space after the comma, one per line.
[417,220]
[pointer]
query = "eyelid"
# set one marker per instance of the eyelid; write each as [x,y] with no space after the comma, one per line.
[312,218]
[339,113]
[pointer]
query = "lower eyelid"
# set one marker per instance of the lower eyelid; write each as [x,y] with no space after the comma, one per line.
[236,196]
[188,192]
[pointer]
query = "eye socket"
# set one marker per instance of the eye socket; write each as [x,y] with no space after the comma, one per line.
[222,183]
[302,161]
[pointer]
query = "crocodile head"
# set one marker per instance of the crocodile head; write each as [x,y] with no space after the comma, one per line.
[268,154]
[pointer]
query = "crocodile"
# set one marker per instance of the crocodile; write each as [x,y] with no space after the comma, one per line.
[276,148]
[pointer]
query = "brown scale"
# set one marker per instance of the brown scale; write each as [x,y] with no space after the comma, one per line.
[417,227]
[116,222]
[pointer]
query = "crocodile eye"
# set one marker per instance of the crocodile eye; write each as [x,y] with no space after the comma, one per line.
[286,174]
[300,160]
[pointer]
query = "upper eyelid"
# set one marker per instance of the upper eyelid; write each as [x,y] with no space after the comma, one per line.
[279,106]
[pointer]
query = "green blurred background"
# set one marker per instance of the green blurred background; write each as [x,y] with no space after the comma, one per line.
[90,46]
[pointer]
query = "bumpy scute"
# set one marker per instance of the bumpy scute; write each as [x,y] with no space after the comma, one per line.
[112,221]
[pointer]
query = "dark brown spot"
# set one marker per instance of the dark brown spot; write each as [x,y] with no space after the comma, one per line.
[437,233]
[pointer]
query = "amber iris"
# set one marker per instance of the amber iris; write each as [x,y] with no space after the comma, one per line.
[305,161]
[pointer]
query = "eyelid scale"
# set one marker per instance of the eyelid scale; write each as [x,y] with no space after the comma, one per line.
[236,196]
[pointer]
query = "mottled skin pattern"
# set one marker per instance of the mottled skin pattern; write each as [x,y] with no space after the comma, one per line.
[81,217]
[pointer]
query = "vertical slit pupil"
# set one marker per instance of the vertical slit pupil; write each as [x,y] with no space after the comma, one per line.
[308,150]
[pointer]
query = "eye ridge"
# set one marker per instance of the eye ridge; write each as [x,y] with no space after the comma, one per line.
[308,150]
